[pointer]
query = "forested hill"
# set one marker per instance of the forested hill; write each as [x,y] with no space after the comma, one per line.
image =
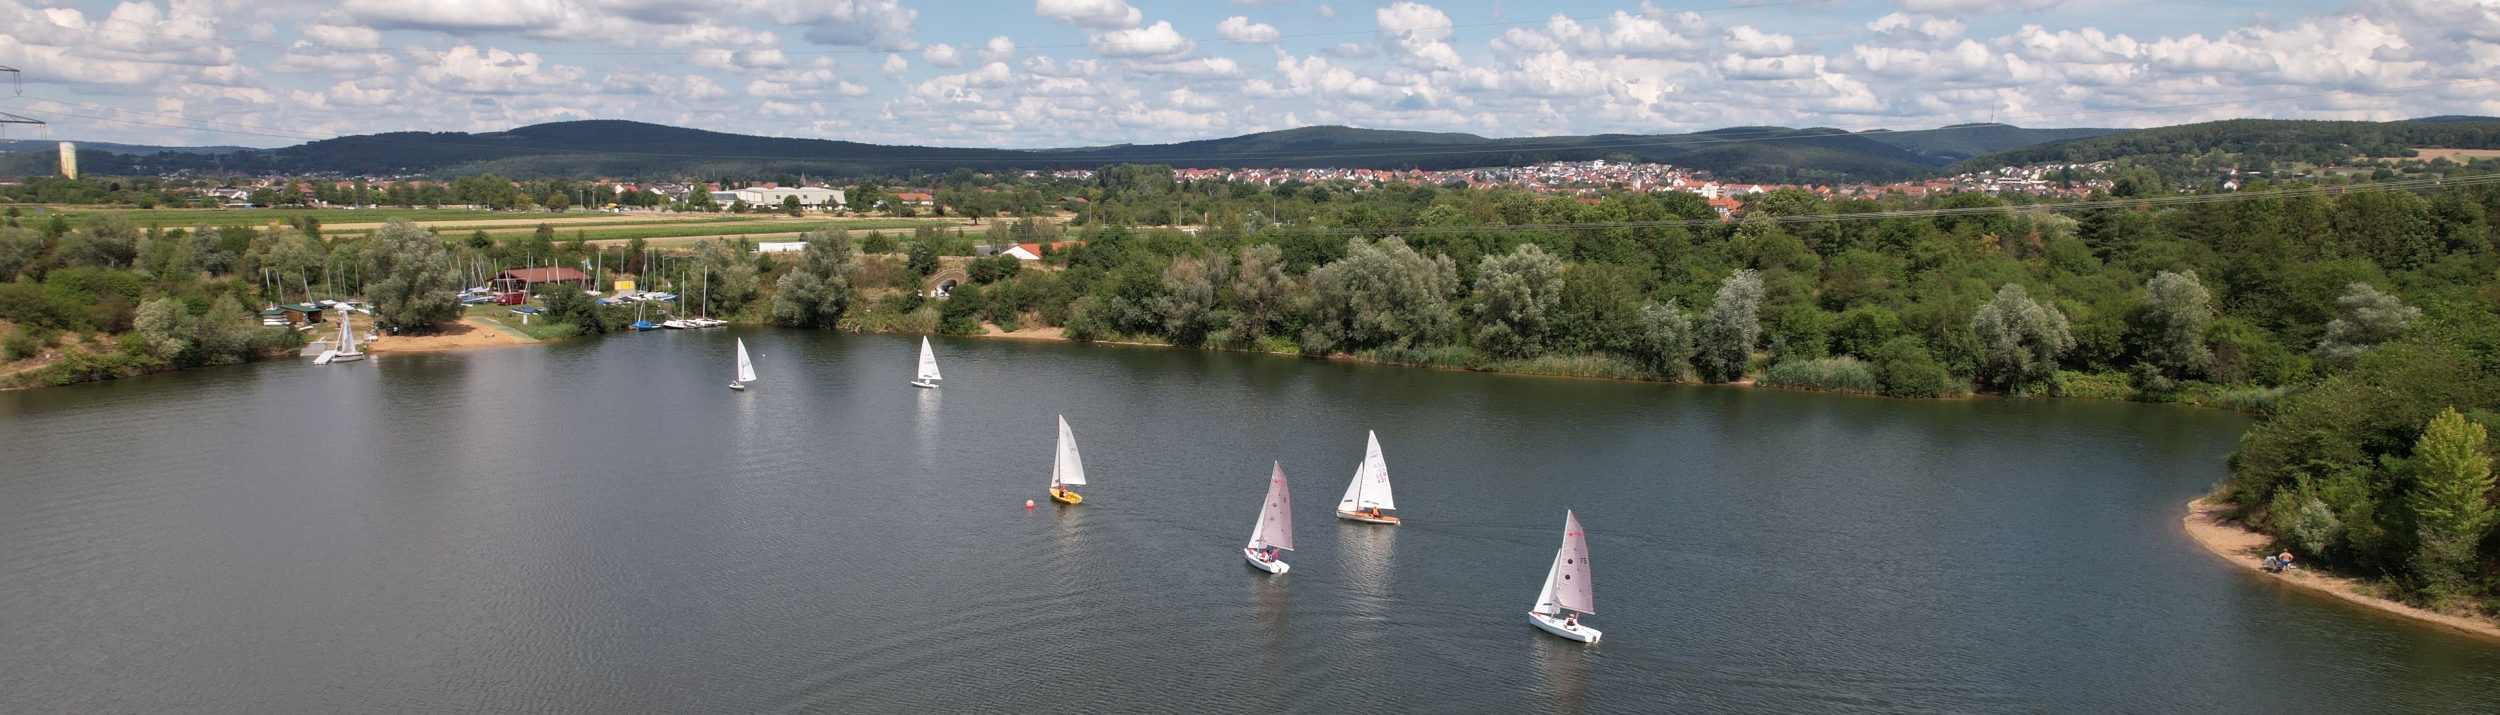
[2256,142]
[611,148]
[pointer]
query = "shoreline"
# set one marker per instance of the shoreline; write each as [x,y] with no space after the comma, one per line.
[2246,549]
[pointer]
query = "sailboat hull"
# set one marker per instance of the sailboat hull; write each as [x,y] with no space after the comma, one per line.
[923,383]
[1556,626]
[1277,566]
[1067,497]
[347,357]
[738,387]
[1366,517]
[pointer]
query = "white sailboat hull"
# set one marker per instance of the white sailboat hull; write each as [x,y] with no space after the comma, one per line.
[923,383]
[347,357]
[1366,517]
[1555,625]
[1277,566]
[738,387]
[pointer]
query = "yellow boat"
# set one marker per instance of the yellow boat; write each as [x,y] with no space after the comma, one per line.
[1066,468]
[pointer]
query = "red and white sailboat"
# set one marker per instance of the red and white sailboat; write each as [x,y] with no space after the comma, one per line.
[1274,531]
[1567,593]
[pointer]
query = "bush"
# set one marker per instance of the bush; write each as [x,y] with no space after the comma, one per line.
[1905,368]
[20,344]
[961,313]
[1840,374]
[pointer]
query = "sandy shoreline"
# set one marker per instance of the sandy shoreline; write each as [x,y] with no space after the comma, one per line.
[2248,549]
[464,335]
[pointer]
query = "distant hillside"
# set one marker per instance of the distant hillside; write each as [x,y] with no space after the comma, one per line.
[17,145]
[2252,140]
[610,148]
[1963,141]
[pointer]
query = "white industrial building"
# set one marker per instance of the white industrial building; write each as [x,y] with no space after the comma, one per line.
[771,196]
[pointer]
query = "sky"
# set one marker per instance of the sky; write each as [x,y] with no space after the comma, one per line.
[1057,73]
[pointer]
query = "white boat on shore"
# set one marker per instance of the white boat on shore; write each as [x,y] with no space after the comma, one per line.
[1274,532]
[347,352]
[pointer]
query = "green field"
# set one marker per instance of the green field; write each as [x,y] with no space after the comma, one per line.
[185,218]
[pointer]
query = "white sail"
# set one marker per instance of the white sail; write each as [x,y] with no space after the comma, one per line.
[928,362]
[347,333]
[1370,489]
[1545,594]
[1275,527]
[1569,580]
[1066,469]
[746,367]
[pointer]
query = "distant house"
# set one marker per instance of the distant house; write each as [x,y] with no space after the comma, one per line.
[780,246]
[914,198]
[291,314]
[1727,207]
[1033,251]
[530,279]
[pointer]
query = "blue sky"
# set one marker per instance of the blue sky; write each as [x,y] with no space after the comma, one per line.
[1041,73]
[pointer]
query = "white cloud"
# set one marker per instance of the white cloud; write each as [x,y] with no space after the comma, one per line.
[998,49]
[1241,31]
[943,55]
[1093,14]
[456,16]
[1417,35]
[1156,40]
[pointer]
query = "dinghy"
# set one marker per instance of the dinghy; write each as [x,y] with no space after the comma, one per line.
[347,351]
[1567,592]
[1066,469]
[928,367]
[746,368]
[1369,494]
[1274,531]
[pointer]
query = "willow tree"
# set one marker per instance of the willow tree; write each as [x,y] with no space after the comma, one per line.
[2177,312]
[2370,317]
[2020,340]
[1381,294]
[415,283]
[1729,330]
[1515,299]
[817,290]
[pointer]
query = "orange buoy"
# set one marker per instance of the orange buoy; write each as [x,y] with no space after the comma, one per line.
[1028,503]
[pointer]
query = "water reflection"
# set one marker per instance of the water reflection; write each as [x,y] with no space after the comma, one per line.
[1562,669]
[925,408]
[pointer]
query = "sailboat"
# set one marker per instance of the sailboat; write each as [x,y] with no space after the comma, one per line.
[1275,528]
[1369,493]
[347,339]
[1066,470]
[746,368]
[1567,592]
[928,367]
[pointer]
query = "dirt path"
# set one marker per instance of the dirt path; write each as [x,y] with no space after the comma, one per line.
[467,334]
[2247,549]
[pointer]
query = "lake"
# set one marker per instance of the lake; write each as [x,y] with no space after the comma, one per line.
[600,526]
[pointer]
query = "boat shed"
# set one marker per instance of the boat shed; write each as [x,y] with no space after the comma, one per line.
[291,314]
[530,279]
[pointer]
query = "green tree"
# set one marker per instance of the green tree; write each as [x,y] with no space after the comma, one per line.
[19,248]
[923,259]
[790,205]
[2177,312]
[1729,330]
[413,283]
[1905,368]
[1663,343]
[2451,500]
[1381,294]
[1188,302]
[726,277]
[2020,340]
[1515,299]
[817,290]
[2369,318]
[107,241]
[168,328]
[1260,290]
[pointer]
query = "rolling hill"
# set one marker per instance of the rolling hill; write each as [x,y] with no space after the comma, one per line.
[2252,140]
[615,148]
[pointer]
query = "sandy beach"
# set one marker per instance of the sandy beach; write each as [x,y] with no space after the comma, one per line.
[2248,549]
[467,334]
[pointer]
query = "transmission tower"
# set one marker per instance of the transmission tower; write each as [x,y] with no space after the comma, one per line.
[17,88]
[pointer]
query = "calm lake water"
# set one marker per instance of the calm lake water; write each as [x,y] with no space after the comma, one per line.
[600,526]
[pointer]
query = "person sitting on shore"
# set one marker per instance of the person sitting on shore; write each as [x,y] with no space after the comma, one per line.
[2286,561]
